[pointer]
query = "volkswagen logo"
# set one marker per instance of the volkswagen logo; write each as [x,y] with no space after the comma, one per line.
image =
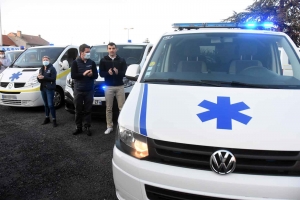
[222,162]
[10,85]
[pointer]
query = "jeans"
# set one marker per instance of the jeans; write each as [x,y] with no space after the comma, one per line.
[83,102]
[48,96]
[110,93]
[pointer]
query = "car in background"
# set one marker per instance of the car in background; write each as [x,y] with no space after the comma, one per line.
[13,55]
[133,53]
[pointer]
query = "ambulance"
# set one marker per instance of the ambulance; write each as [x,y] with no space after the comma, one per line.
[18,83]
[211,116]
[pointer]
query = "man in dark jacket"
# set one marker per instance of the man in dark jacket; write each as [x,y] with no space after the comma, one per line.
[83,72]
[113,68]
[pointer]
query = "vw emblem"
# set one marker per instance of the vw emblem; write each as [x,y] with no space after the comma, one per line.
[10,85]
[222,162]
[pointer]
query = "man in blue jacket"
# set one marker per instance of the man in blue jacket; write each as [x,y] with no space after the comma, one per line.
[113,69]
[83,72]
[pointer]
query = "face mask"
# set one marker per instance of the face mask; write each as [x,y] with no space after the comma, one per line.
[45,63]
[1,56]
[87,56]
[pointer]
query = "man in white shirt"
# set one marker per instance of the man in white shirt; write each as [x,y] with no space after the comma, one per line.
[4,62]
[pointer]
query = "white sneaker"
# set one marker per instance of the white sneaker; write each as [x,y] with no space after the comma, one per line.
[108,130]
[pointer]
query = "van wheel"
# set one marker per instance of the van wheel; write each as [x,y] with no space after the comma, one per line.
[58,98]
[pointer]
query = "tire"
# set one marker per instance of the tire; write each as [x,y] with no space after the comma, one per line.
[58,98]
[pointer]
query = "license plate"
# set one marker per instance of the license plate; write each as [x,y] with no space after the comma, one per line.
[9,96]
[97,102]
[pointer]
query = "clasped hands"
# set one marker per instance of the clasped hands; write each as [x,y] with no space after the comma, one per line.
[88,73]
[110,71]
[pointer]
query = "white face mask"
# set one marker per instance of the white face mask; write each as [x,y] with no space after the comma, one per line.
[1,56]
[87,56]
[45,63]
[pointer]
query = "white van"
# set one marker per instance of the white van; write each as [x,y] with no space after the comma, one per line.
[133,53]
[211,116]
[18,83]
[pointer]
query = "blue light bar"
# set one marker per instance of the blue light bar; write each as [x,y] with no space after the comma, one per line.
[103,87]
[248,25]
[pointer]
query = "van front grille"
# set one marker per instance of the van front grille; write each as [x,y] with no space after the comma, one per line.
[258,162]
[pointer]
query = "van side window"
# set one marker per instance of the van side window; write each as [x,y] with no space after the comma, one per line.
[70,55]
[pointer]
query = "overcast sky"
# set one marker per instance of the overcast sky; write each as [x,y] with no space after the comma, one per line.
[64,22]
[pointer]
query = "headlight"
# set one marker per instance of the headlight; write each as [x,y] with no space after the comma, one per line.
[32,81]
[127,83]
[136,142]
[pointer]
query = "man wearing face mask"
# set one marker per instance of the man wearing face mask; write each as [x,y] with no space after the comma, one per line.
[83,72]
[4,62]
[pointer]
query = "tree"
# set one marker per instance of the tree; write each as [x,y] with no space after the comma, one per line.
[285,15]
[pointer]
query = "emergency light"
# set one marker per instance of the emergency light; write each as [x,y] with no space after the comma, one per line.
[248,25]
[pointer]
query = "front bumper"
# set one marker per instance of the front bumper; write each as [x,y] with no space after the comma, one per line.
[132,176]
[21,99]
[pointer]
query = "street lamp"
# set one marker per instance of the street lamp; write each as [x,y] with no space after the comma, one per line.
[128,33]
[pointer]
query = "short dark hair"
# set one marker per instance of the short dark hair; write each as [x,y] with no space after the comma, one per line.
[83,47]
[111,44]
[1,50]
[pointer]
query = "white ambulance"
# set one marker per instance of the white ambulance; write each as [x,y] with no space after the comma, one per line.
[18,83]
[211,116]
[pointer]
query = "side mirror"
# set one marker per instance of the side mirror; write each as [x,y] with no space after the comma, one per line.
[132,72]
[64,65]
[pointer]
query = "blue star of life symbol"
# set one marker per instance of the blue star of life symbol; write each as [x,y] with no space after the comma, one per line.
[224,112]
[15,76]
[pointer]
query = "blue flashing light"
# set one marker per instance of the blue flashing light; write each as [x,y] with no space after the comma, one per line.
[103,87]
[248,25]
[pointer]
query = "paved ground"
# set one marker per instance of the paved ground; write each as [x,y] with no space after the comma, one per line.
[42,162]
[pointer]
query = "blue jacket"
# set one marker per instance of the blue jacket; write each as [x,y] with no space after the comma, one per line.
[83,83]
[49,80]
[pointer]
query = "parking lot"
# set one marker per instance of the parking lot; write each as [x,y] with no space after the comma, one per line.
[42,162]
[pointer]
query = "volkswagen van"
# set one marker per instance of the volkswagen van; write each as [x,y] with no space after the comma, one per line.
[18,83]
[211,116]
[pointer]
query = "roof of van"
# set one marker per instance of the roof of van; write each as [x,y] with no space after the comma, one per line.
[54,46]
[144,44]
[223,30]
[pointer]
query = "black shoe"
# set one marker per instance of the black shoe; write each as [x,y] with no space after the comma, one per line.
[54,123]
[77,131]
[88,131]
[46,121]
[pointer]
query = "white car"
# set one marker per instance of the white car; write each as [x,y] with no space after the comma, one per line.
[211,116]
[18,83]
[133,53]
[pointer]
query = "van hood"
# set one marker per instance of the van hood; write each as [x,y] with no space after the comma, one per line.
[245,118]
[18,75]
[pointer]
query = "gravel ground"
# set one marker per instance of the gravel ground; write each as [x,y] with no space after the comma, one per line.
[42,162]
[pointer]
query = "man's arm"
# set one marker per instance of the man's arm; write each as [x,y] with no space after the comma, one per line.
[94,70]
[74,71]
[102,69]
[123,68]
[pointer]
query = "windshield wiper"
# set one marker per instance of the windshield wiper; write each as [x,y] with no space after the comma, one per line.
[236,83]
[189,82]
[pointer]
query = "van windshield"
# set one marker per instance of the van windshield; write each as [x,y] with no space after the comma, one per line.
[225,59]
[32,58]
[133,54]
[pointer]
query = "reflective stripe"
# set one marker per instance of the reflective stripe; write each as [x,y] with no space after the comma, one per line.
[143,114]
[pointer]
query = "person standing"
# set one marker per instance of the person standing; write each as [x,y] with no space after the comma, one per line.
[4,62]
[113,69]
[47,78]
[83,72]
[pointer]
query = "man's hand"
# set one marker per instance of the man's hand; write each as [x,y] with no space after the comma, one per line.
[90,73]
[40,76]
[116,70]
[86,72]
[110,72]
